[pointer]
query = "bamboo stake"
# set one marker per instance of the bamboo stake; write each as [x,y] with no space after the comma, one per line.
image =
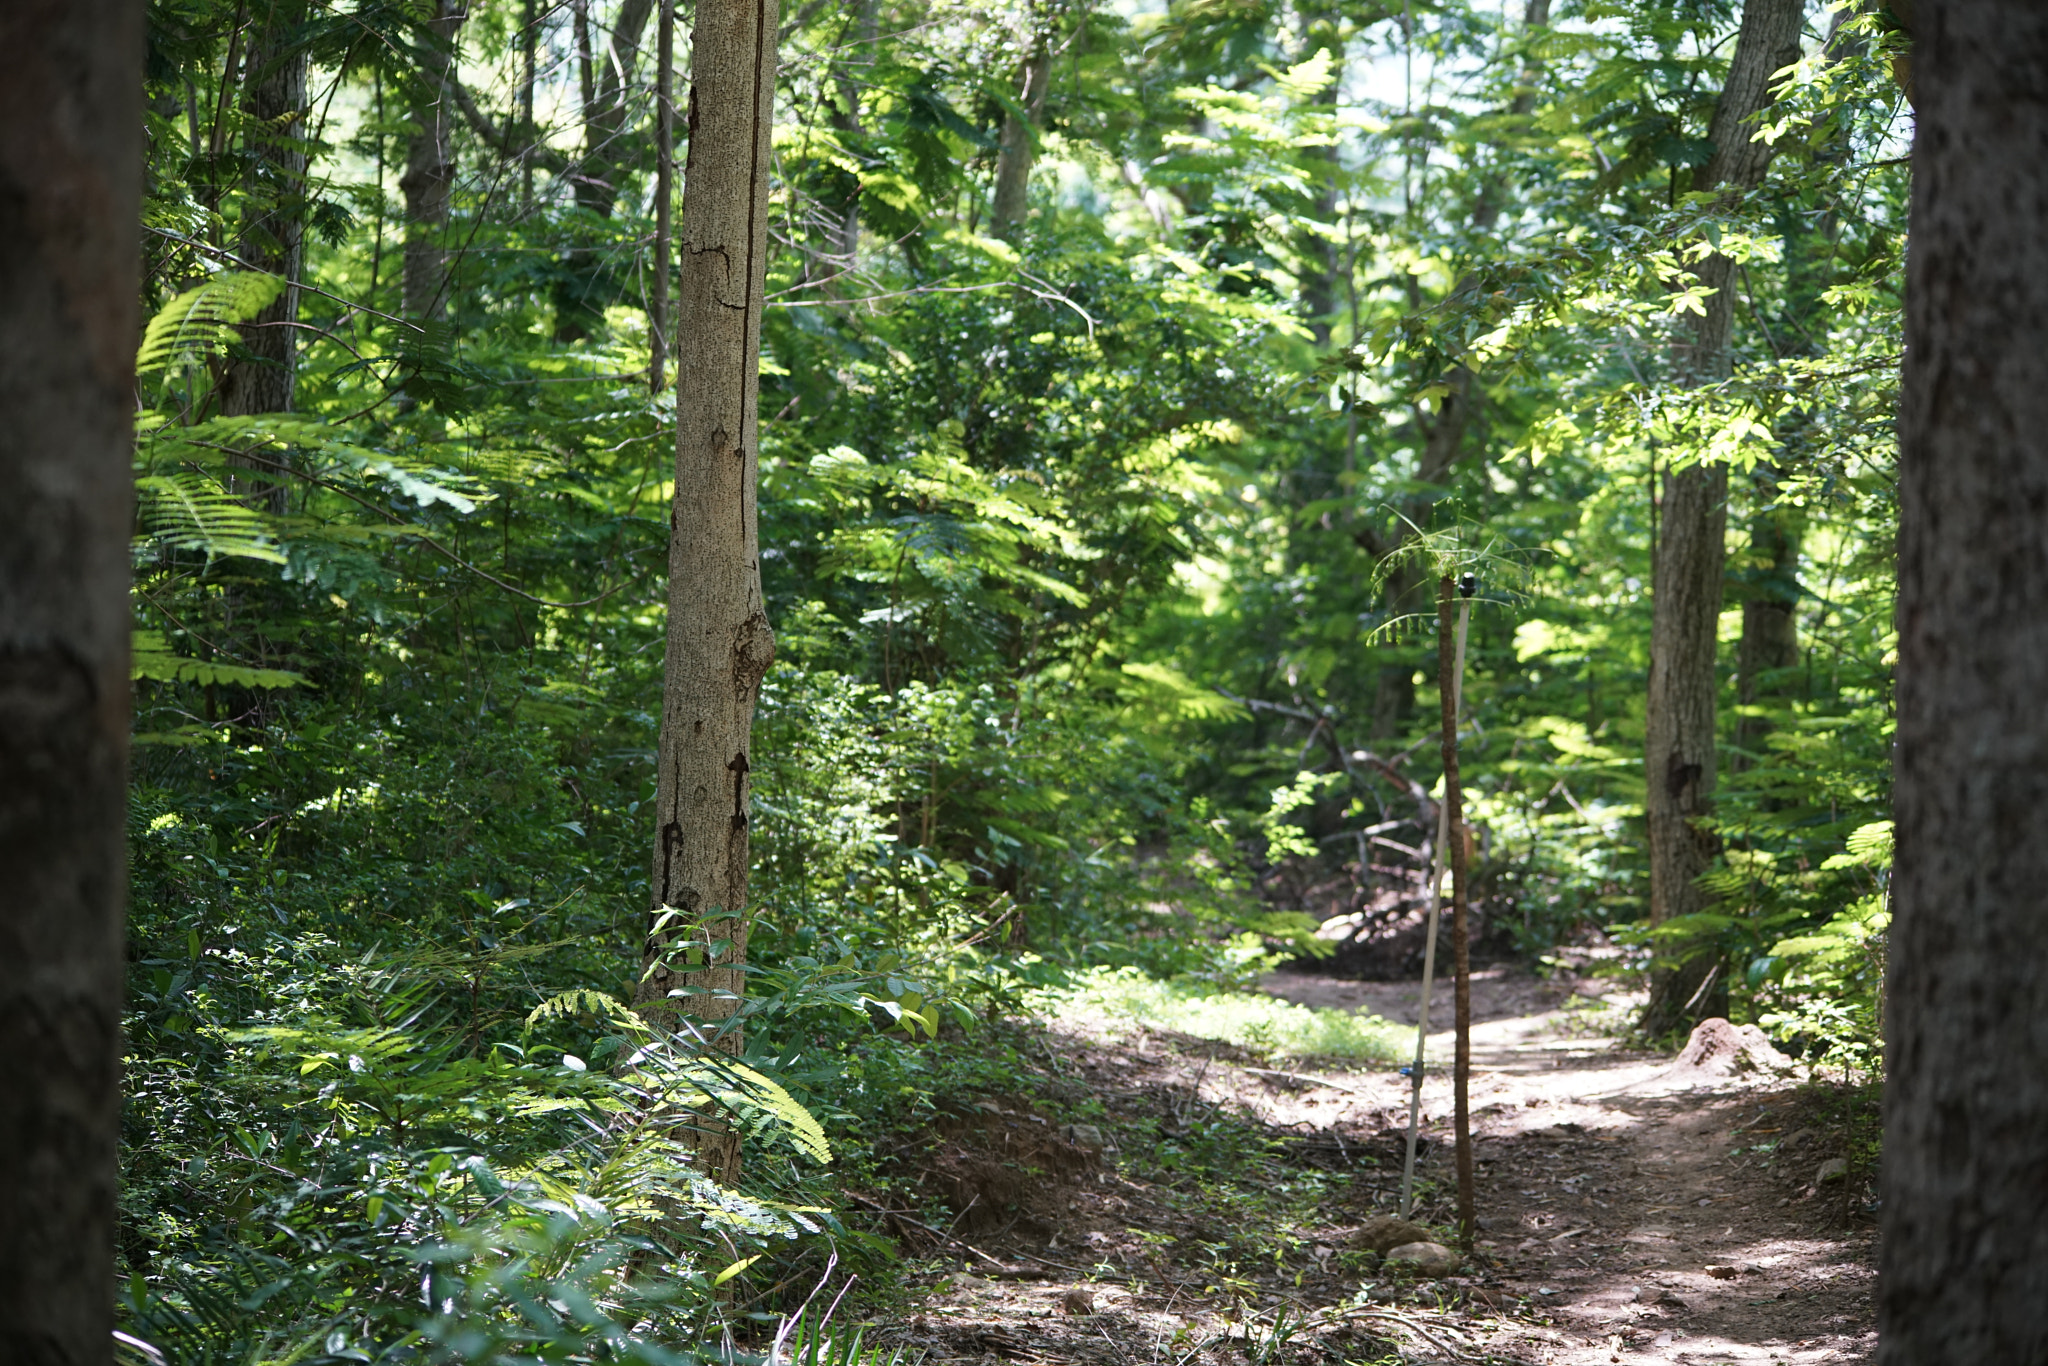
[1436,882]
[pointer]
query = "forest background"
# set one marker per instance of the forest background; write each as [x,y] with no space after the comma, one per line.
[1129,375]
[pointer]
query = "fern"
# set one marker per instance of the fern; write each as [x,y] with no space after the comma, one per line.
[191,511]
[151,658]
[197,326]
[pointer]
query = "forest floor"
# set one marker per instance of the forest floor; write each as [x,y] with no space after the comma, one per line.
[1144,1198]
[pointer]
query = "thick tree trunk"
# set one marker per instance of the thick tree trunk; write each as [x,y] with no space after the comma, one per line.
[1964,1260]
[1018,146]
[1678,750]
[429,179]
[719,642]
[273,231]
[70,263]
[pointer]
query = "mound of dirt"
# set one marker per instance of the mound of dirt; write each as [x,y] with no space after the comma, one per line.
[1718,1049]
[999,1164]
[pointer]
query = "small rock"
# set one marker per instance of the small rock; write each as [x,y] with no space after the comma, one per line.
[1387,1233]
[1834,1169]
[1079,1300]
[1084,1136]
[1428,1259]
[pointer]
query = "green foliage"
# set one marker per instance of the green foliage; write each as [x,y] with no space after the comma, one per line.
[1101,562]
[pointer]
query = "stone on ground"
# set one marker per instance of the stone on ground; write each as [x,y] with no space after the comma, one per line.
[1428,1259]
[1386,1233]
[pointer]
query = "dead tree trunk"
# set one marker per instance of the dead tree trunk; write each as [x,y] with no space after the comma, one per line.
[1964,1261]
[1679,751]
[70,267]
[719,643]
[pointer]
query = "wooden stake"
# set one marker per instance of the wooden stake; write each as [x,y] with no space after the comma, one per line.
[1451,683]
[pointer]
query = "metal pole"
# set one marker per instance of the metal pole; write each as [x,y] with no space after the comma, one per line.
[1436,896]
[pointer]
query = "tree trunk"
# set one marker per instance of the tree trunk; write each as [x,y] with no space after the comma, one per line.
[586,285]
[71,172]
[664,195]
[1770,612]
[429,179]
[1018,146]
[719,643]
[273,229]
[843,231]
[1964,1259]
[1678,751]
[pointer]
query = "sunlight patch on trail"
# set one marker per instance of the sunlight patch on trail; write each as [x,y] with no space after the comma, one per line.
[1117,998]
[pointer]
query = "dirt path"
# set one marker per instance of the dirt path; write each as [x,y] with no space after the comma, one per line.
[1209,1209]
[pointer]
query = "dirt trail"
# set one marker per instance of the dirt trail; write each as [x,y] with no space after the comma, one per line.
[1628,1213]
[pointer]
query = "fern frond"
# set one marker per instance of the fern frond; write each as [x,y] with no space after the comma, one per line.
[196,326]
[570,1004]
[187,509]
[151,658]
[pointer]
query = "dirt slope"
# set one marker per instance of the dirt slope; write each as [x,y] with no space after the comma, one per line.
[1212,1209]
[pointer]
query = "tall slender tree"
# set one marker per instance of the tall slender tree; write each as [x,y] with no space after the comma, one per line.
[1017,146]
[262,378]
[1679,745]
[429,179]
[1964,1260]
[719,641]
[70,262]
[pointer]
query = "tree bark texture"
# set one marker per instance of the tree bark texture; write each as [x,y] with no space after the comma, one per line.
[719,642]
[1769,649]
[429,179]
[70,264]
[1461,935]
[664,194]
[587,282]
[1017,146]
[273,235]
[1691,552]
[1964,1263]
[262,380]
